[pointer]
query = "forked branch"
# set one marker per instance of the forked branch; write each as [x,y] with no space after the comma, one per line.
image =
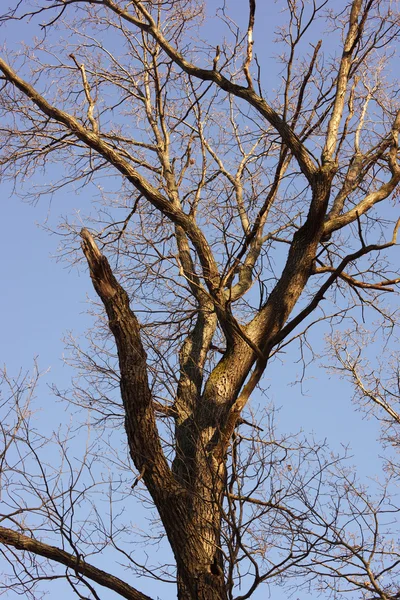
[154,196]
[288,136]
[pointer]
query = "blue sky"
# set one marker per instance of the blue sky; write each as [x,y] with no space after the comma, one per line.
[44,298]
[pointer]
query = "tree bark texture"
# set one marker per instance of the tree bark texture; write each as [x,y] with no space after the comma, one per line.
[189,497]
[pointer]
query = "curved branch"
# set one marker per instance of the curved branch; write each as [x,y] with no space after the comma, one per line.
[336,221]
[287,134]
[362,207]
[331,279]
[152,194]
[8,537]
[261,363]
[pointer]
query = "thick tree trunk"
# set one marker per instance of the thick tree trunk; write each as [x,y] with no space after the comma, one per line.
[206,586]
[189,499]
[198,546]
[195,541]
[200,566]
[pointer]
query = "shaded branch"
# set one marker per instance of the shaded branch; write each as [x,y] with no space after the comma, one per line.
[331,279]
[379,286]
[143,439]
[8,537]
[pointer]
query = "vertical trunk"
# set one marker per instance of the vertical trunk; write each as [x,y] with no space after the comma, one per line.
[193,526]
[199,556]
[206,586]
[202,576]
[188,500]
[200,573]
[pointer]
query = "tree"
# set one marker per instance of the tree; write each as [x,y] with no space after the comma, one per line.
[248,218]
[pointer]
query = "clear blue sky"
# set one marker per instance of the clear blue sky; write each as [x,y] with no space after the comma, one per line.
[43,299]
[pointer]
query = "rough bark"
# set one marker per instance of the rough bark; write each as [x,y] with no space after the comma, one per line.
[189,505]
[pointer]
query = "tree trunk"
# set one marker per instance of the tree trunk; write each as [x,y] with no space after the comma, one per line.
[198,547]
[206,586]
[200,573]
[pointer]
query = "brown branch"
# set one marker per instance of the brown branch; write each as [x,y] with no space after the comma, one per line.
[253,241]
[331,279]
[250,43]
[261,363]
[143,439]
[304,84]
[265,504]
[8,537]
[152,194]
[337,221]
[164,409]
[364,206]
[379,286]
[285,131]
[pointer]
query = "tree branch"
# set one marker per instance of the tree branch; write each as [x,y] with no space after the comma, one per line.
[8,537]
[140,423]
[287,134]
[331,279]
[153,195]
[352,37]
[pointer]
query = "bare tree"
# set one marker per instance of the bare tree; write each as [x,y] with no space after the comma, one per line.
[231,221]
